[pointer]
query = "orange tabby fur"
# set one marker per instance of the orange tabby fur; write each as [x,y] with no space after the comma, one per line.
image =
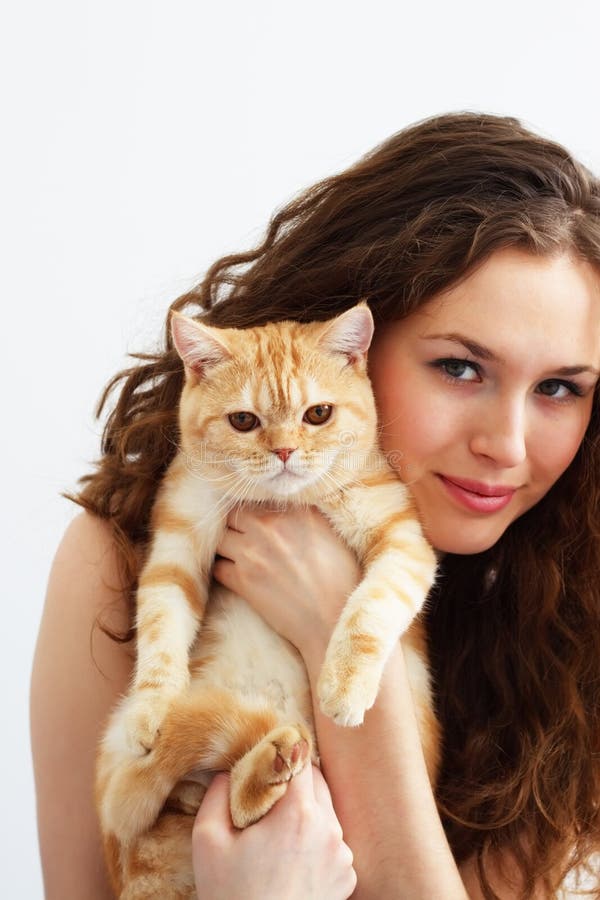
[215,688]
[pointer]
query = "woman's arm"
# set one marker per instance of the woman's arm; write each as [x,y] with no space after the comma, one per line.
[78,674]
[296,573]
[381,792]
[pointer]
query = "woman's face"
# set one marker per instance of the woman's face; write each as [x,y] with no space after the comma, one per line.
[485,393]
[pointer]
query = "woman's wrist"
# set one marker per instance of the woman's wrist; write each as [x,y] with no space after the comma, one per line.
[313,651]
[388,815]
[312,643]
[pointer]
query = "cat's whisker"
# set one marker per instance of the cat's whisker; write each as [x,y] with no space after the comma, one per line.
[219,479]
[338,487]
[235,495]
[243,491]
[389,421]
[225,502]
[173,441]
[198,467]
[354,464]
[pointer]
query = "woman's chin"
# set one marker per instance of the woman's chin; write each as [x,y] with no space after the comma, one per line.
[462,542]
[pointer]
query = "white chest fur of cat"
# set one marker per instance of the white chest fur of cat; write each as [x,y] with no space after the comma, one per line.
[281,413]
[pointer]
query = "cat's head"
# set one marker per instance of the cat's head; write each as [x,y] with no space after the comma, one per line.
[281,410]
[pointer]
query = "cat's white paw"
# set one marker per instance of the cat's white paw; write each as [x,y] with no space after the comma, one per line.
[345,697]
[349,679]
[143,719]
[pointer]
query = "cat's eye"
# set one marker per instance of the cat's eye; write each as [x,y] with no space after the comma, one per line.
[243,421]
[317,415]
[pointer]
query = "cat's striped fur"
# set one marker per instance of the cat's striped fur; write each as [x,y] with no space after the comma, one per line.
[214,687]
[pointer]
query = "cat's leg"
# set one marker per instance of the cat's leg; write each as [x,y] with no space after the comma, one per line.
[186,797]
[399,569]
[171,599]
[207,730]
[203,730]
[158,866]
[260,777]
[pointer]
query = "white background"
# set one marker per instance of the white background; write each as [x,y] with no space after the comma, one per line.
[142,139]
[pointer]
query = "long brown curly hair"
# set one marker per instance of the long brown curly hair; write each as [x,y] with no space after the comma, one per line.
[514,631]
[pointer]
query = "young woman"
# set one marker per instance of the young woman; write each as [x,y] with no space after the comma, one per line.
[477,245]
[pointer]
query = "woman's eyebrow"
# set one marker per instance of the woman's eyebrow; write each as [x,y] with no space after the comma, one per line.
[577,370]
[472,346]
[485,353]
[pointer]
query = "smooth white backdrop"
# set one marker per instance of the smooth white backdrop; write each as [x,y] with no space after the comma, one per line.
[142,139]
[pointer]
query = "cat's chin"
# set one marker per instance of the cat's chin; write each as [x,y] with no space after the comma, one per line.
[285,484]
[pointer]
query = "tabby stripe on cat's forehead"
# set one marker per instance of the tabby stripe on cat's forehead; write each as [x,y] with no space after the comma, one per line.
[277,392]
[288,375]
[296,357]
[280,354]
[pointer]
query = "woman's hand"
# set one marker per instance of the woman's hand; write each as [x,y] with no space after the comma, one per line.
[291,567]
[296,852]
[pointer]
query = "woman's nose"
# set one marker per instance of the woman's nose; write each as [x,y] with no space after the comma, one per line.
[499,433]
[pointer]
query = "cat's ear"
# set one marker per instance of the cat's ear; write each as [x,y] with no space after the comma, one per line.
[349,333]
[198,345]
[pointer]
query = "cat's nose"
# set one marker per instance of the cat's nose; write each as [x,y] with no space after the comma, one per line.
[284,453]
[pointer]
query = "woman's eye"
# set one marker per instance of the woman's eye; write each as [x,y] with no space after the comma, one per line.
[243,421]
[459,369]
[317,415]
[559,390]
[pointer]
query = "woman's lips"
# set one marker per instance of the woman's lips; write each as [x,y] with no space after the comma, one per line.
[476,496]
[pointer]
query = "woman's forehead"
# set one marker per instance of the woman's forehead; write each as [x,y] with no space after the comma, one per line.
[551,302]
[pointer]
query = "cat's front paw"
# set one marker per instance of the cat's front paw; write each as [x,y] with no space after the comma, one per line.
[143,720]
[260,777]
[347,689]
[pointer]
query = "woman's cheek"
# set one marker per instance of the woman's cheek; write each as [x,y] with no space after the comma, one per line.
[553,447]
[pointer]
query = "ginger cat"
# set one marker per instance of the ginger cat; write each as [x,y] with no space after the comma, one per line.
[279,413]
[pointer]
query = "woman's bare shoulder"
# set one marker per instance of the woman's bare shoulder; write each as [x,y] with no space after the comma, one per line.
[88,542]
[78,675]
[85,590]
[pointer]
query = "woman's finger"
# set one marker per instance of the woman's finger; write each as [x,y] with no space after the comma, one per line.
[302,784]
[241,517]
[214,811]
[230,542]
[225,572]
[299,796]
[321,789]
[324,799]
